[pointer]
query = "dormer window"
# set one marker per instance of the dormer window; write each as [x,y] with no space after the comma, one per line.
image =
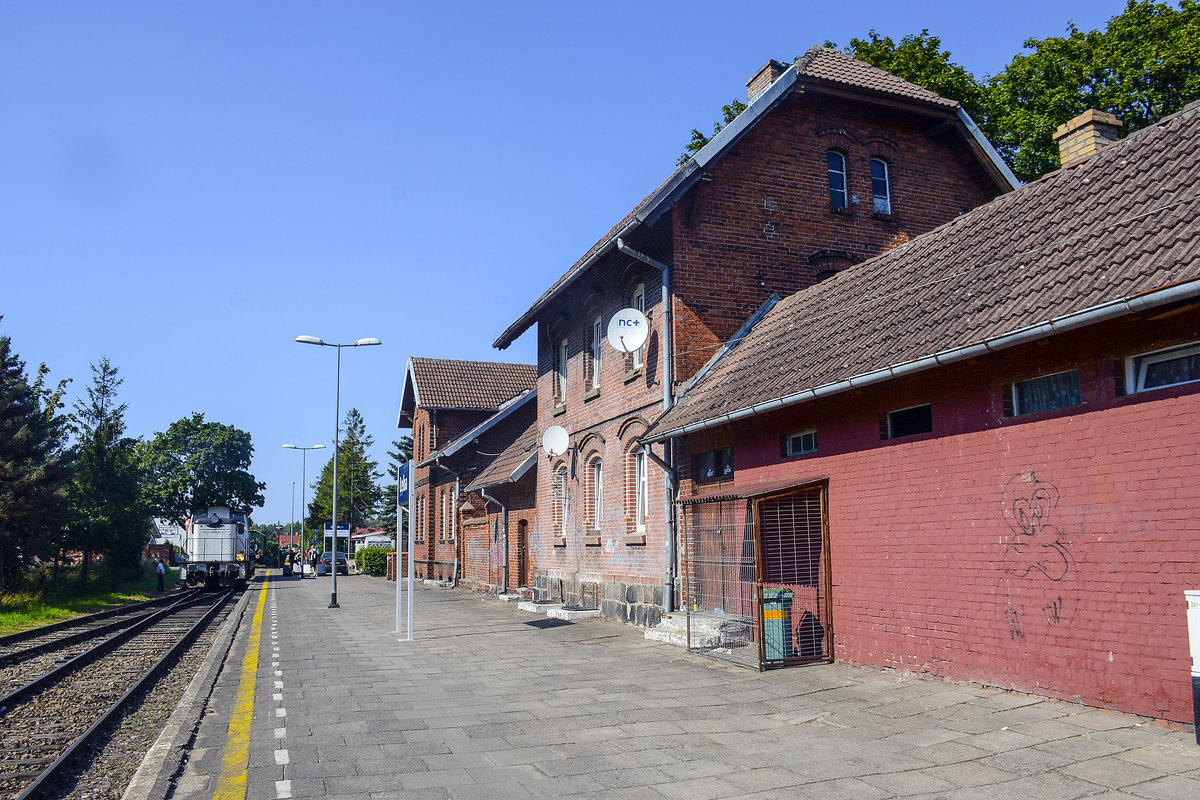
[881,188]
[838,198]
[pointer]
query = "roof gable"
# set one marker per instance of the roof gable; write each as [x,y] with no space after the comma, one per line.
[818,67]
[1079,243]
[450,384]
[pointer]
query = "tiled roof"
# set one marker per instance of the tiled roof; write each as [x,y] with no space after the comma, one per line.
[831,65]
[1119,224]
[502,468]
[445,383]
[822,64]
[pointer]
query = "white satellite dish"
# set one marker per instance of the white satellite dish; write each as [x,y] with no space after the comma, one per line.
[555,440]
[628,330]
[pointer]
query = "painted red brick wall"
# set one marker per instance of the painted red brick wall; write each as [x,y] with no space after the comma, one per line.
[932,570]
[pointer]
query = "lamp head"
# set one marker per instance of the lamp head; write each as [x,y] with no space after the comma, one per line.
[291,447]
[366,342]
[317,447]
[309,340]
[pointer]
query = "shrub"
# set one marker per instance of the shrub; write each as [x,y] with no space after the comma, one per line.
[372,561]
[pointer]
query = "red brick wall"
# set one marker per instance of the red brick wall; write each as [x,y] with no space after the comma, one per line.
[926,574]
[766,210]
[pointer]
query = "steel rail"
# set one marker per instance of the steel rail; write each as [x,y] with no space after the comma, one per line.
[54,769]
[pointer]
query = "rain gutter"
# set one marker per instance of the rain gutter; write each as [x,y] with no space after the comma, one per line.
[1089,316]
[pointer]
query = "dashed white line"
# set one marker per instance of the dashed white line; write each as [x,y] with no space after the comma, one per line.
[283,789]
[281,757]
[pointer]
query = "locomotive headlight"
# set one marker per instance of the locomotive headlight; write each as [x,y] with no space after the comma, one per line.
[241,556]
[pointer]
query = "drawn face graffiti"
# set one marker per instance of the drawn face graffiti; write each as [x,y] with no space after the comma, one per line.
[1037,585]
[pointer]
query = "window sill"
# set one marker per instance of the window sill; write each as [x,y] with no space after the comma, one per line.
[591,394]
[559,410]
[879,215]
[634,539]
[560,541]
[842,212]
[591,541]
[632,375]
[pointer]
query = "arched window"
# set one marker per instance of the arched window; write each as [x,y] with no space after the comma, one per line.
[637,490]
[881,187]
[595,493]
[561,354]
[838,197]
[560,508]
[597,347]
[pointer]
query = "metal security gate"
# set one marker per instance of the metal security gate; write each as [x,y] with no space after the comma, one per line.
[722,606]
[794,570]
[757,577]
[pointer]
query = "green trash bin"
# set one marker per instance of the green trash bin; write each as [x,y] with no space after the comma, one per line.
[777,624]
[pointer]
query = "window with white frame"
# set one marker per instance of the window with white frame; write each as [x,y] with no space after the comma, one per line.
[597,352]
[881,187]
[559,506]
[638,300]
[800,443]
[595,489]
[641,489]
[1046,393]
[443,516]
[560,371]
[1159,369]
[838,197]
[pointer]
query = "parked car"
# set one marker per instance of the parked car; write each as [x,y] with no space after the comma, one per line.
[343,568]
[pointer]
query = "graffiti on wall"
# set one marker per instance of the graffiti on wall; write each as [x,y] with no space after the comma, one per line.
[1038,584]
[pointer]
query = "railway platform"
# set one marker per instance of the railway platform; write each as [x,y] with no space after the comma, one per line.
[299,700]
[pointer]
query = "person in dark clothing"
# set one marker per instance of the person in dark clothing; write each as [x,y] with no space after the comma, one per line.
[161,569]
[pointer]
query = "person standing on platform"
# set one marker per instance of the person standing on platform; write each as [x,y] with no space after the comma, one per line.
[161,569]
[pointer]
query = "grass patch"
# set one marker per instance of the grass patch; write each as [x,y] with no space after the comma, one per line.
[63,599]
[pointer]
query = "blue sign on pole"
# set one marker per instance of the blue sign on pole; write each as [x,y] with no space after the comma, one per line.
[343,529]
[402,487]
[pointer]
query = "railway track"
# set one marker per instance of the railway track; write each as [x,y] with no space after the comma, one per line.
[48,719]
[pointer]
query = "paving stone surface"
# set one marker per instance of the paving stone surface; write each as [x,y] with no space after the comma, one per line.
[484,704]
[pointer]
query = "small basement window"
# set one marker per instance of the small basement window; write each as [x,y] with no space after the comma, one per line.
[801,443]
[714,465]
[907,422]
[1162,368]
[1046,393]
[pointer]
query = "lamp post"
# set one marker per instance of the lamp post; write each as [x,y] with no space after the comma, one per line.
[337,411]
[292,524]
[303,487]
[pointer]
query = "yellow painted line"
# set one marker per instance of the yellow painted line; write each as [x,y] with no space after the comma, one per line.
[231,784]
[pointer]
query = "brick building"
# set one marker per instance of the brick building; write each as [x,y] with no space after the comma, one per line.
[442,400]
[833,161]
[974,456]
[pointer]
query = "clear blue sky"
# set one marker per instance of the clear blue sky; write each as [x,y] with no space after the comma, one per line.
[186,187]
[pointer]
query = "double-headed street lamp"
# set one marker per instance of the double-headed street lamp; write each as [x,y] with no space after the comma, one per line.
[303,487]
[337,412]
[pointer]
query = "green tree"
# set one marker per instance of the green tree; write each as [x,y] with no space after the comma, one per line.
[34,465]
[1141,67]
[108,512]
[398,456]
[729,112]
[194,464]
[358,479]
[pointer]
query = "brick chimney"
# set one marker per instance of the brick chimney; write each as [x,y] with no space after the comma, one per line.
[1081,138]
[766,75]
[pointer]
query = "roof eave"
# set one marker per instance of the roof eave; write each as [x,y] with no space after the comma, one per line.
[1112,309]
[483,427]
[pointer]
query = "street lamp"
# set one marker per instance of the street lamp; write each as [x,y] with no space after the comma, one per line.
[303,487]
[292,525]
[337,412]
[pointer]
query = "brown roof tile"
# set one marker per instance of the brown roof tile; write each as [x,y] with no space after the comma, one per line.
[834,66]
[1122,223]
[445,383]
[502,468]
